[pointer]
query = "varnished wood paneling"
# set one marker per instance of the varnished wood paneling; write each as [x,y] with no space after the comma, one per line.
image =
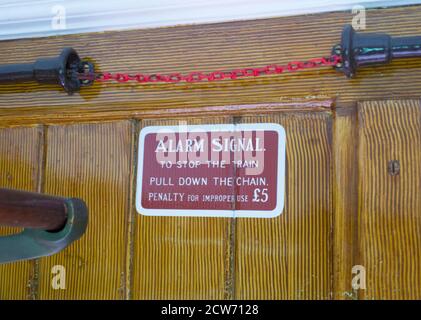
[345,200]
[289,257]
[182,257]
[390,206]
[93,162]
[19,169]
[207,48]
[306,252]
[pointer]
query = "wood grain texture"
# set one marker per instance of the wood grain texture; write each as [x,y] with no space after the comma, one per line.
[92,162]
[19,169]
[288,257]
[345,200]
[307,251]
[182,257]
[390,206]
[207,48]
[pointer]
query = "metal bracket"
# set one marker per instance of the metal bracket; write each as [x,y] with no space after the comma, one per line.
[63,70]
[365,49]
[33,243]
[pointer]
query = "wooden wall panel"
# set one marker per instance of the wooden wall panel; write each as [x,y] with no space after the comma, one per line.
[207,48]
[390,205]
[345,200]
[289,257]
[93,162]
[182,257]
[20,150]
[125,255]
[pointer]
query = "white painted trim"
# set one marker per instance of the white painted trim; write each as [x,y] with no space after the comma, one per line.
[28,19]
[280,196]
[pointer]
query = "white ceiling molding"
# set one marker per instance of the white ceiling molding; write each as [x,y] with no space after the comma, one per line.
[39,18]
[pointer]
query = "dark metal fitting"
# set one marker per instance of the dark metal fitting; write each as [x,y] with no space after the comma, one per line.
[50,224]
[63,70]
[365,49]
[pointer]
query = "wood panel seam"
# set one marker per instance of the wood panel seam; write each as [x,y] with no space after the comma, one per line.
[33,286]
[131,224]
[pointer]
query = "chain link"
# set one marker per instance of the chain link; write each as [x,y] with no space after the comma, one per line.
[333,60]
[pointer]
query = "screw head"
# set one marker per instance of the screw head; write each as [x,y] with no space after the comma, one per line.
[393,167]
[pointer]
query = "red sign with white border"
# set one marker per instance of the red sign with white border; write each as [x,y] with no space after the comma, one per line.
[222,170]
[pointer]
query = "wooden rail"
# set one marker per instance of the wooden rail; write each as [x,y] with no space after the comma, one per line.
[31,210]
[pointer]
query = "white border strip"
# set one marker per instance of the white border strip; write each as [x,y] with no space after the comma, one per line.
[38,18]
[215,213]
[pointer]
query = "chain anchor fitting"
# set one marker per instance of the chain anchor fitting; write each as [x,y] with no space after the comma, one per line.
[365,49]
[63,70]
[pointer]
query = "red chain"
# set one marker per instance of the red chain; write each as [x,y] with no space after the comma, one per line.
[292,66]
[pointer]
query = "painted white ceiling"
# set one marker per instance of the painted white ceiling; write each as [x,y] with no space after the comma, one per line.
[37,18]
